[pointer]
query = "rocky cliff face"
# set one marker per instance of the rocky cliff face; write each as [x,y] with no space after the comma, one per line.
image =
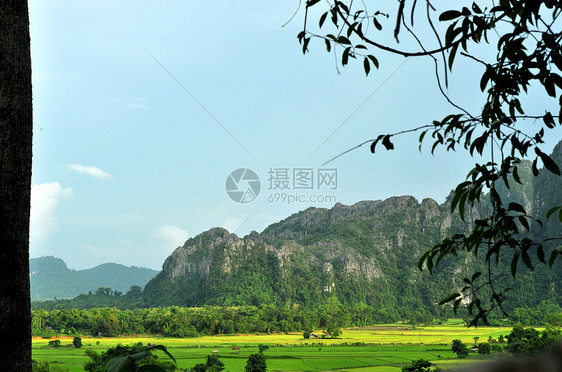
[366,252]
[548,193]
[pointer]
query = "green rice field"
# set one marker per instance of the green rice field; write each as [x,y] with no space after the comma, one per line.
[385,348]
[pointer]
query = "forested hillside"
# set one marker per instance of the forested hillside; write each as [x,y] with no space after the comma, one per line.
[50,278]
[364,253]
[363,256]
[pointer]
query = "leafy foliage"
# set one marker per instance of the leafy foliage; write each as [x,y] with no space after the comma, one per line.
[45,367]
[131,358]
[528,39]
[101,297]
[256,363]
[54,343]
[529,341]
[333,331]
[484,348]
[419,365]
[213,364]
[460,349]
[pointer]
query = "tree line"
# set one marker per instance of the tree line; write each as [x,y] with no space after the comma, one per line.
[177,321]
[174,321]
[520,341]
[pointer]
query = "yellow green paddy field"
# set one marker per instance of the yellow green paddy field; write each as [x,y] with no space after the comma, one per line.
[377,348]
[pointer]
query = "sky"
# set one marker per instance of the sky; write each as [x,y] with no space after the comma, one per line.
[151,119]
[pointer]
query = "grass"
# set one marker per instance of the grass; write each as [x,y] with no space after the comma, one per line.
[387,348]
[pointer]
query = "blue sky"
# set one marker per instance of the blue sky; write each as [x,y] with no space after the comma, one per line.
[128,164]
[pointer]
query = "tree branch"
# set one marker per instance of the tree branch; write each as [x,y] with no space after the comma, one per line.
[400,52]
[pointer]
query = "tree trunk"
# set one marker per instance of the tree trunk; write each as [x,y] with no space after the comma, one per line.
[15,185]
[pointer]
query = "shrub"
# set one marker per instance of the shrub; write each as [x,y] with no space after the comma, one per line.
[333,331]
[45,367]
[54,343]
[497,348]
[484,348]
[420,365]
[529,341]
[214,364]
[460,349]
[256,363]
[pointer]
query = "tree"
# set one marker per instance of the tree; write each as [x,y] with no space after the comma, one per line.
[214,364]
[77,342]
[256,362]
[135,291]
[15,183]
[420,365]
[528,61]
[333,331]
[200,367]
[104,291]
[554,320]
[484,348]
[529,341]
[459,348]
[54,343]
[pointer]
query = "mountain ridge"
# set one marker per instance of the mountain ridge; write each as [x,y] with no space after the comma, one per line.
[362,254]
[51,278]
[366,252]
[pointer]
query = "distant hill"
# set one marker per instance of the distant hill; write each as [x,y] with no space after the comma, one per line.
[50,278]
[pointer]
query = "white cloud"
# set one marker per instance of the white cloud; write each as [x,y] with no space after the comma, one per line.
[137,103]
[171,234]
[44,199]
[92,171]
